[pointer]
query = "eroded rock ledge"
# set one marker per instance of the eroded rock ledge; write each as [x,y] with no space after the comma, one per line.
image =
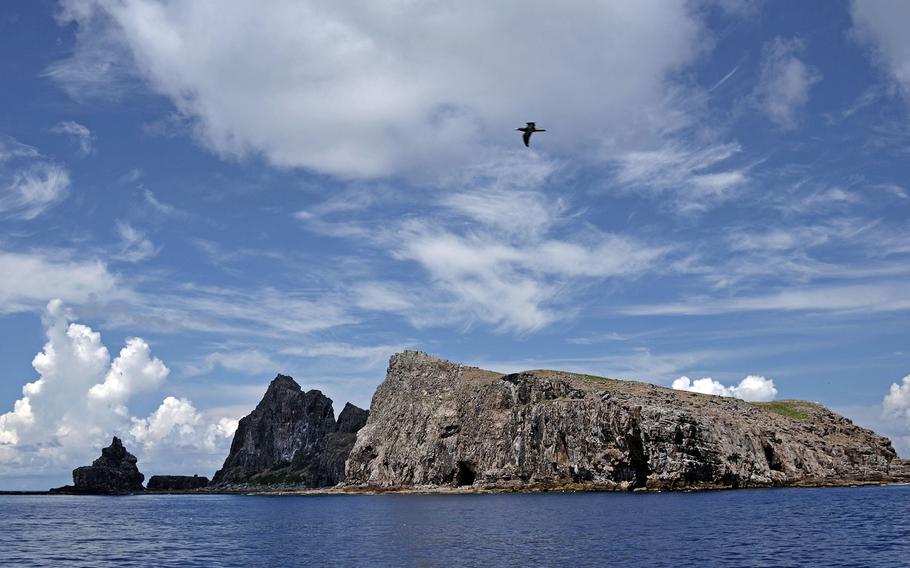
[434,423]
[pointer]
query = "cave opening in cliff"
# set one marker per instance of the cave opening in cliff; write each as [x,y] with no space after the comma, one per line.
[465,474]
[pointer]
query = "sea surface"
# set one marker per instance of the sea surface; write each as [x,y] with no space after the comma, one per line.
[866,526]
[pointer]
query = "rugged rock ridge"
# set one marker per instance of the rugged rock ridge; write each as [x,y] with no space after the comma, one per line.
[436,423]
[114,473]
[291,438]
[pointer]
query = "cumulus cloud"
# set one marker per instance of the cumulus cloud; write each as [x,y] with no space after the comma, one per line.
[132,372]
[177,423]
[785,81]
[896,403]
[882,25]
[753,388]
[80,399]
[340,88]
[79,133]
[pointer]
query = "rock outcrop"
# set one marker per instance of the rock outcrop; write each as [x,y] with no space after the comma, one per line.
[114,473]
[176,482]
[434,423]
[291,438]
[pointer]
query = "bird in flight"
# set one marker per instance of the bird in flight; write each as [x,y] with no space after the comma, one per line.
[528,130]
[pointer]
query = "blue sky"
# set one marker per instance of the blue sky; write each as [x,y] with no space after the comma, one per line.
[225,191]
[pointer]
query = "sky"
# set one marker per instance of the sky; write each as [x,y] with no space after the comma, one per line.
[196,196]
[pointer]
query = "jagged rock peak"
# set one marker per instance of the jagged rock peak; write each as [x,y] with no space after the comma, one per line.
[283,382]
[291,438]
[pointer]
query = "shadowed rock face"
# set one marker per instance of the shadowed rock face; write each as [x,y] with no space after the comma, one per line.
[436,423]
[176,482]
[115,472]
[291,438]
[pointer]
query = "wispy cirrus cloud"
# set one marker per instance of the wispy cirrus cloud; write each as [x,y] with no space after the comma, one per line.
[33,190]
[887,296]
[79,133]
[134,245]
[695,178]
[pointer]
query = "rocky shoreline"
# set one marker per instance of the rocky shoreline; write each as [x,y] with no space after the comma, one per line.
[438,427]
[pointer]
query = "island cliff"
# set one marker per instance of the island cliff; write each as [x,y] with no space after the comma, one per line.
[436,424]
[291,439]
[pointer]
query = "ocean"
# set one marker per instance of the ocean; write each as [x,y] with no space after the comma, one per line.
[863,526]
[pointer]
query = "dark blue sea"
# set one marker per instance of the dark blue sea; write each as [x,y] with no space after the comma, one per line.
[773,527]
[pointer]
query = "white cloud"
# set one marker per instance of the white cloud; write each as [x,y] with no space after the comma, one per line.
[693,176]
[753,388]
[512,283]
[251,362]
[82,135]
[882,24]
[785,81]
[132,372]
[10,149]
[341,89]
[175,421]
[134,245]
[875,297]
[371,354]
[376,296]
[33,190]
[498,250]
[263,311]
[165,209]
[31,279]
[896,403]
[80,400]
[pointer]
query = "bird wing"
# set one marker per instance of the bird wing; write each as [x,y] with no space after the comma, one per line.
[526,137]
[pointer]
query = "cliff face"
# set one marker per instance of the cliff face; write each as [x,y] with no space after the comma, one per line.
[291,438]
[436,423]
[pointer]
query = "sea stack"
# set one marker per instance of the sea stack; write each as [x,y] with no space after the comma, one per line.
[291,439]
[434,423]
[114,473]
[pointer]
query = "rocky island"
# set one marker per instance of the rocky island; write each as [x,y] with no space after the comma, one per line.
[439,426]
[435,425]
[114,473]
